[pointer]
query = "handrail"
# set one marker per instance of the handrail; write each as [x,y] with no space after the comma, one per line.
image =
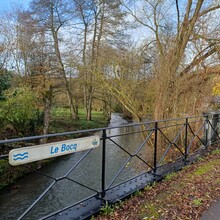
[153,136]
[91,130]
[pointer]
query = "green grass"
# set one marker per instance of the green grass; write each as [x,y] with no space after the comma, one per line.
[137,193]
[170,176]
[197,202]
[61,121]
[152,212]
[205,168]
[107,209]
[216,151]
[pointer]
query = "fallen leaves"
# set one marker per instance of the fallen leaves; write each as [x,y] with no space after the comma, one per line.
[184,196]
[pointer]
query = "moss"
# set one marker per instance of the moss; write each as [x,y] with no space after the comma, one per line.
[205,168]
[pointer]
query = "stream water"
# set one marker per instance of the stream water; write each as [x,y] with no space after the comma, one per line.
[15,200]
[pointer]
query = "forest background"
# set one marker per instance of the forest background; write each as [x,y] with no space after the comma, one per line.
[144,58]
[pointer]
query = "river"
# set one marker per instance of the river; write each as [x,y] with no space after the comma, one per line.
[15,200]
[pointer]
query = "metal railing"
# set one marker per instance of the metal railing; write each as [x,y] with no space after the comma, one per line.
[160,144]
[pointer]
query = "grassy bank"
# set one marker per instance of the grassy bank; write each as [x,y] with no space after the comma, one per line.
[60,123]
[183,195]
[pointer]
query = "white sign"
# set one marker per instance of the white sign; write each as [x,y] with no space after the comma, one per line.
[39,152]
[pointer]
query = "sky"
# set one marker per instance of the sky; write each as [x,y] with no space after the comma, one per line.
[7,5]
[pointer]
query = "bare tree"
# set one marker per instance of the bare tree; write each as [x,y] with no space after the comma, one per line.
[126,75]
[52,16]
[174,38]
[101,22]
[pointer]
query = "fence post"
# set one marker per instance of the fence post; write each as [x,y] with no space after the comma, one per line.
[155,147]
[206,131]
[103,162]
[186,137]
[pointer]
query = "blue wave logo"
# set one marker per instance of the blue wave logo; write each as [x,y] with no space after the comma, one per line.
[94,142]
[20,156]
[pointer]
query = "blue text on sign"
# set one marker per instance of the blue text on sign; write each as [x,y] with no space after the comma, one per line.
[64,148]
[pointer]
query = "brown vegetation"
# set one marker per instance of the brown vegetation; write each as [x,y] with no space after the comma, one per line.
[183,195]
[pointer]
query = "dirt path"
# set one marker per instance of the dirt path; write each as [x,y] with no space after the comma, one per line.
[213,213]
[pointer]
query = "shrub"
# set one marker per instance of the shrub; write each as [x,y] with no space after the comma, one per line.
[20,110]
[5,77]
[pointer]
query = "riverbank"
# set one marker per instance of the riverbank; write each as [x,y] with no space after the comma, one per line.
[65,192]
[60,123]
[183,195]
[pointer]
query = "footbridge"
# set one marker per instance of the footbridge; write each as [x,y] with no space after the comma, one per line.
[99,166]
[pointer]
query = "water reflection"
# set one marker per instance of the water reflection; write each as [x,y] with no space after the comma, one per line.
[88,172]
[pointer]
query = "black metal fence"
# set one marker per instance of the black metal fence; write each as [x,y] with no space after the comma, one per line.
[129,157]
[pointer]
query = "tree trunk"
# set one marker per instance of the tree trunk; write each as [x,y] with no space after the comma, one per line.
[89,108]
[47,115]
[73,111]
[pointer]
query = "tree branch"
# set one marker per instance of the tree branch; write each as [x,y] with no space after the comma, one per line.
[137,19]
[157,30]
[209,10]
[178,17]
[188,8]
[198,60]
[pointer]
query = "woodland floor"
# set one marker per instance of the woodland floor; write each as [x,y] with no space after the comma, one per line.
[182,195]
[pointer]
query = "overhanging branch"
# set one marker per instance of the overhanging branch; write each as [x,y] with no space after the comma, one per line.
[198,60]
